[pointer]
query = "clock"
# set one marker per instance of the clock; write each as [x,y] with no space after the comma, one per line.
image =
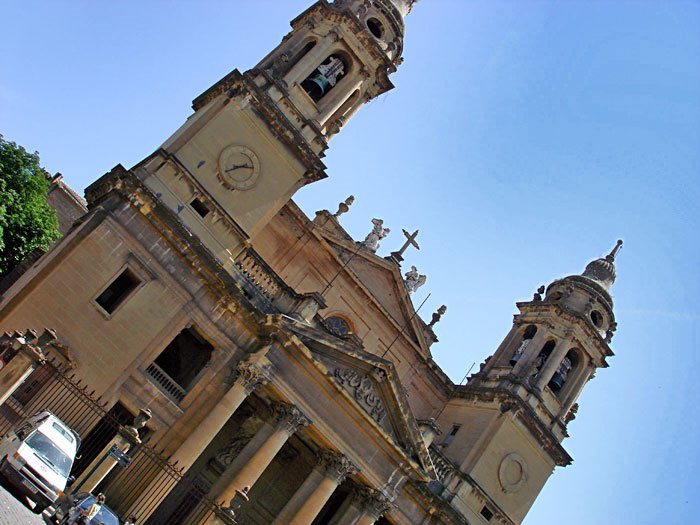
[239,168]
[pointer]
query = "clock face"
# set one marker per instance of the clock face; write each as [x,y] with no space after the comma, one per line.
[239,168]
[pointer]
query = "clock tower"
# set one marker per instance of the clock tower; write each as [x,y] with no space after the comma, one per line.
[255,138]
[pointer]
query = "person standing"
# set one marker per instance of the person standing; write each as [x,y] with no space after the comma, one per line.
[86,515]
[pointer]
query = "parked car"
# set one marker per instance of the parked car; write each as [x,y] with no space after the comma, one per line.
[36,457]
[82,501]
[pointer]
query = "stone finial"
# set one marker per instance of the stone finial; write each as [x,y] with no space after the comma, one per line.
[414,280]
[615,250]
[140,420]
[571,414]
[438,315]
[538,294]
[378,232]
[344,206]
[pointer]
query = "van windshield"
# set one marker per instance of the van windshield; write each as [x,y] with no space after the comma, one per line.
[50,453]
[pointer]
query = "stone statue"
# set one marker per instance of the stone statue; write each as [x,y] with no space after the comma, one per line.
[438,315]
[414,280]
[378,232]
[344,206]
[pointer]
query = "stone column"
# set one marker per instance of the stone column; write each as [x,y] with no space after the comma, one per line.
[553,362]
[577,383]
[366,507]
[318,487]
[105,460]
[255,457]
[311,60]
[244,379]
[534,347]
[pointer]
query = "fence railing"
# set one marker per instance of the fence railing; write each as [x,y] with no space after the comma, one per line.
[134,489]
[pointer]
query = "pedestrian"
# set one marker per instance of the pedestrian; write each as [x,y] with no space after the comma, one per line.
[131,520]
[86,515]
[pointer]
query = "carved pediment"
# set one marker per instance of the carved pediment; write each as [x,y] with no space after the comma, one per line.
[363,390]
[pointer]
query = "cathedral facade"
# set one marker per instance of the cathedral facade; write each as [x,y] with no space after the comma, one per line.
[282,360]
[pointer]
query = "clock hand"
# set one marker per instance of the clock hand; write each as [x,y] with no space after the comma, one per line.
[238,166]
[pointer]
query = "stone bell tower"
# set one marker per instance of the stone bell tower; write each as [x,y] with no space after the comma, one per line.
[557,342]
[506,425]
[255,138]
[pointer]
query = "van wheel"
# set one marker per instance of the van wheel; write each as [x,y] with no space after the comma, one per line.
[39,508]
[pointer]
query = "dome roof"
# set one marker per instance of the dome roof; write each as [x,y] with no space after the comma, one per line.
[404,6]
[603,270]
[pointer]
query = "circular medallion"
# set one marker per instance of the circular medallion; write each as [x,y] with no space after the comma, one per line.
[512,473]
[239,168]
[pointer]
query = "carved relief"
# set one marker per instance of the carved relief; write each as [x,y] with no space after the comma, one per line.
[372,502]
[363,390]
[336,466]
[228,452]
[512,473]
[250,375]
[288,417]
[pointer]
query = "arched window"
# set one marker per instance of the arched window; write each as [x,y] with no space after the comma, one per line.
[282,63]
[565,367]
[530,332]
[543,356]
[325,77]
[338,326]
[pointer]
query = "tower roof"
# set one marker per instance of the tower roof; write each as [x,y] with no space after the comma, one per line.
[603,270]
[404,6]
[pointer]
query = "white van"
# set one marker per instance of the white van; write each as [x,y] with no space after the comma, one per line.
[36,457]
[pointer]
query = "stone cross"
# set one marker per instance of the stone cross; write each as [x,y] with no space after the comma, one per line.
[410,241]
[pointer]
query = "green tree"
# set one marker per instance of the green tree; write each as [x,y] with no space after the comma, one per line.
[27,221]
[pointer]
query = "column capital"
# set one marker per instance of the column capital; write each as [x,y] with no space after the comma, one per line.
[336,466]
[288,417]
[250,375]
[372,502]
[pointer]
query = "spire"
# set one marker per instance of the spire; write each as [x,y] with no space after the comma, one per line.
[603,270]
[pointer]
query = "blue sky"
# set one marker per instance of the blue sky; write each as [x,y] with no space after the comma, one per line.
[522,139]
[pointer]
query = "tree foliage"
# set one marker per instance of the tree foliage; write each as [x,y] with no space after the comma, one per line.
[27,221]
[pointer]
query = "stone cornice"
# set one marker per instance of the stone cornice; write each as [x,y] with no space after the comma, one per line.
[407,439]
[524,413]
[560,311]
[126,186]
[442,508]
[337,15]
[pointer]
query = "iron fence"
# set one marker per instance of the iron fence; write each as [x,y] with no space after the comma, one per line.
[137,489]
